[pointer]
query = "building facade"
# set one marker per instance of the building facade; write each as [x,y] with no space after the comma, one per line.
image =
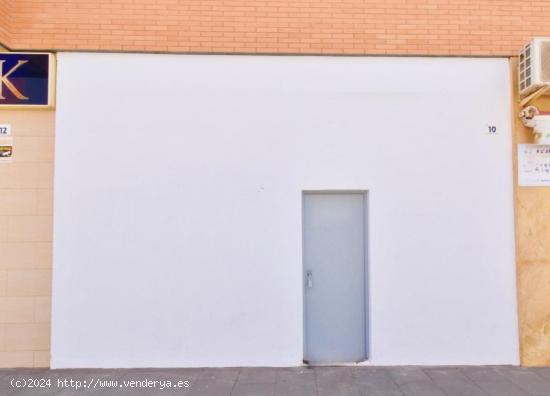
[194,146]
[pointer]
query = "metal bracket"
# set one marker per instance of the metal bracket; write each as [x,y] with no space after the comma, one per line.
[539,92]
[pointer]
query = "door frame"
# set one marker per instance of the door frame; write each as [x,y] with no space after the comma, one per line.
[366,272]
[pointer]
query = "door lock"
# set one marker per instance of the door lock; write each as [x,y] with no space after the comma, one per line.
[309,276]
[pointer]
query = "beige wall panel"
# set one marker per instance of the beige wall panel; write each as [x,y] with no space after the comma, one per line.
[44,201]
[47,149]
[26,255]
[16,359]
[26,175]
[3,283]
[29,282]
[17,309]
[27,336]
[29,122]
[34,149]
[41,359]
[26,192]
[18,202]
[30,229]
[4,228]
[43,309]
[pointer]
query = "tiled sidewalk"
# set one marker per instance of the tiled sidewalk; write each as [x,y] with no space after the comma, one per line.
[301,381]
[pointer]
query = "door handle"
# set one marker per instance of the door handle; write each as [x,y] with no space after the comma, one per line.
[309,277]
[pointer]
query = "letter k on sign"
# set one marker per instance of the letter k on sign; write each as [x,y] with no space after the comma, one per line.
[4,80]
[27,80]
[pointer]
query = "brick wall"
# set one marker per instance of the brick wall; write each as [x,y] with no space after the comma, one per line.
[442,27]
[4,21]
[26,240]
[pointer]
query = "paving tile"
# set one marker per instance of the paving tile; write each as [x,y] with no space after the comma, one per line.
[453,382]
[253,389]
[265,375]
[375,381]
[36,392]
[542,371]
[492,382]
[60,381]
[526,379]
[295,382]
[214,382]
[299,381]
[413,381]
[158,381]
[5,386]
[29,374]
[336,381]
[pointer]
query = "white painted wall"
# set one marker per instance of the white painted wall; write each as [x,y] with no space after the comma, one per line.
[178,205]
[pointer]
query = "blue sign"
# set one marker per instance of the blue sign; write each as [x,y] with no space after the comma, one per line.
[26,79]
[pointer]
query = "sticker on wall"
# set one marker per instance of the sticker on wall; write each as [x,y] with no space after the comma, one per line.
[5,130]
[6,152]
[533,165]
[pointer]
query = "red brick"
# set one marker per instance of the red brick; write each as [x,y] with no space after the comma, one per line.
[449,27]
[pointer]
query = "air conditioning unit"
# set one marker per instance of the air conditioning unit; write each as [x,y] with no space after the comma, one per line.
[534,65]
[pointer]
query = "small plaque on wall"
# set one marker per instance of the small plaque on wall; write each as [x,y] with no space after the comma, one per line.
[533,165]
[5,130]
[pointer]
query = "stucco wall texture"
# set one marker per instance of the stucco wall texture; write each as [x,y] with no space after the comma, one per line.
[433,27]
[532,254]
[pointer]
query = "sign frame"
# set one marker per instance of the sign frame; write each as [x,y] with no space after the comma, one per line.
[52,70]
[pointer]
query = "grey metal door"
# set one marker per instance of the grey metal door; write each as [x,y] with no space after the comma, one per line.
[334,277]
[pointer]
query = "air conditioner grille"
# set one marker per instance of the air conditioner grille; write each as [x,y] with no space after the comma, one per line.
[525,68]
[545,61]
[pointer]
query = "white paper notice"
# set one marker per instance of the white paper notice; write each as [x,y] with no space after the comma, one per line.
[533,165]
